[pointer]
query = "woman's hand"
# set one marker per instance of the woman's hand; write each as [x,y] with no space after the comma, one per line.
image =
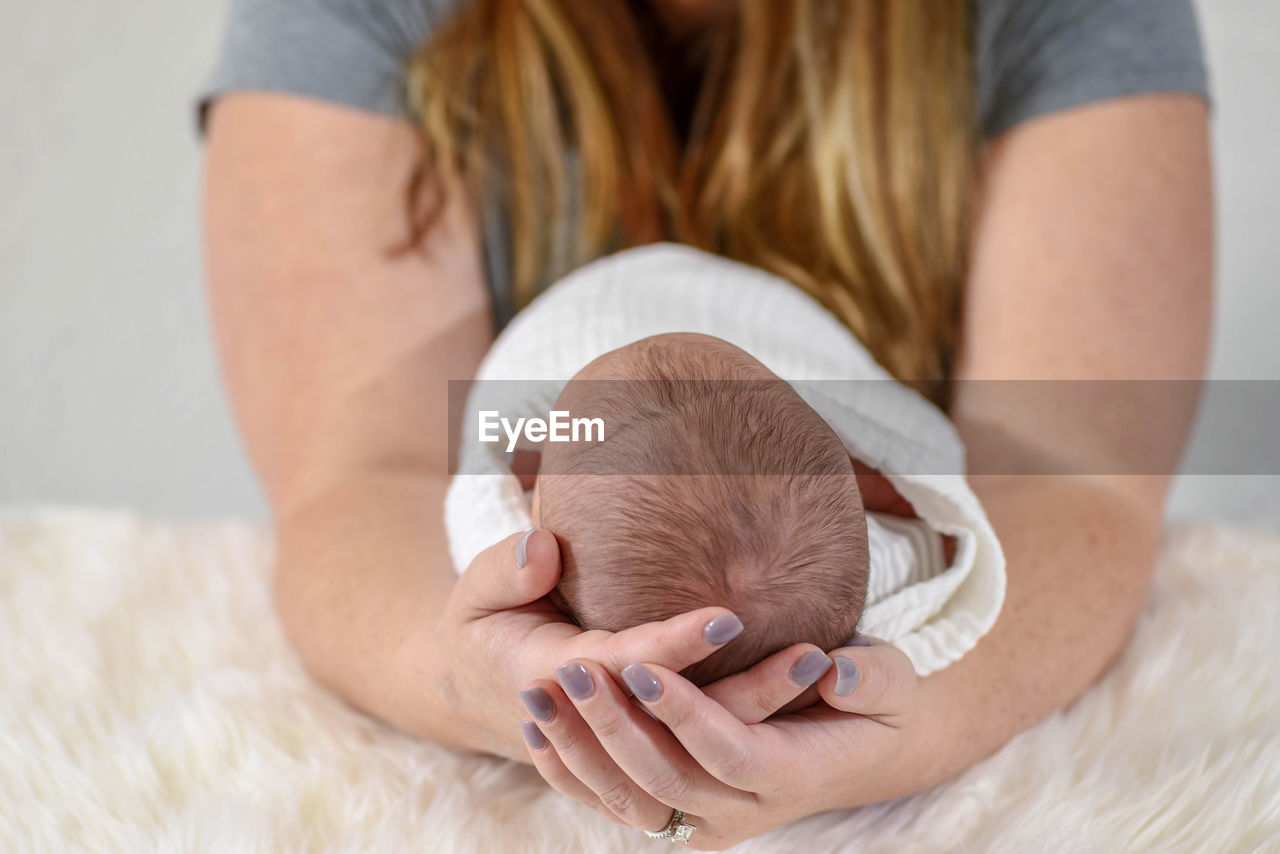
[734,773]
[713,755]
[500,631]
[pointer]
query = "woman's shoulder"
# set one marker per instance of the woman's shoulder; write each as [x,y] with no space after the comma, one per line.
[1037,58]
[348,52]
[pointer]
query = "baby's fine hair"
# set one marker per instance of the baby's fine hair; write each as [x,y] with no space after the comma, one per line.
[728,491]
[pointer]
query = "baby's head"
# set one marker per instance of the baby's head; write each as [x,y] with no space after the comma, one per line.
[715,484]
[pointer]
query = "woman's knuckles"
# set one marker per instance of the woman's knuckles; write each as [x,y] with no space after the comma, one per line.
[674,709]
[610,650]
[607,725]
[621,799]
[766,697]
[673,787]
[739,768]
[562,737]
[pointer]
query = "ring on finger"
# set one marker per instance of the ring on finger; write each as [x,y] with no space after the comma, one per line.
[677,830]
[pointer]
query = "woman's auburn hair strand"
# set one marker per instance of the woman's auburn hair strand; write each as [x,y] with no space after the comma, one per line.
[832,144]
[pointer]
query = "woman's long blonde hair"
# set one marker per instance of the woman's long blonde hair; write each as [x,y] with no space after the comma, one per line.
[831,144]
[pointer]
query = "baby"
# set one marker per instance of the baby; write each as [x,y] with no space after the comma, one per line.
[724,475]
[715,484]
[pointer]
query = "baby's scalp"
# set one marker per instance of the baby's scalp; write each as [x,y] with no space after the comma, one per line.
[715,485]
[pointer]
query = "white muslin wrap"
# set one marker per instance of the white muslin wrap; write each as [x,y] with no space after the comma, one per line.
[932,612]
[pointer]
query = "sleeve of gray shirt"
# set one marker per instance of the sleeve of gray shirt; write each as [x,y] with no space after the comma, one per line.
[1032,57]
[1035,58]
[349,52]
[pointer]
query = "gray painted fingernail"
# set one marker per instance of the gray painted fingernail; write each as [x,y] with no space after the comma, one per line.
[539,704]
[860,640]
[521,554]
[846,675]
[575,680]
[722,629]
[809,668]
[642,682]
[533,736]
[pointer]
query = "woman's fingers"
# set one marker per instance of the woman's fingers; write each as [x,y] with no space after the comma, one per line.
[771,685]
[516,571]
[728,749]
[581,756]
[645,751]
[877,681]
[675,643]
[553,770]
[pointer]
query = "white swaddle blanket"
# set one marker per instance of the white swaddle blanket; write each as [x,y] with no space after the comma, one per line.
[932,612]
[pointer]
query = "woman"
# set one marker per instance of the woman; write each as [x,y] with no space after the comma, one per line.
[830,142]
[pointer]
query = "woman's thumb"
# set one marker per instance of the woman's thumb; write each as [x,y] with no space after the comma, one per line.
[516,571]
[877,680]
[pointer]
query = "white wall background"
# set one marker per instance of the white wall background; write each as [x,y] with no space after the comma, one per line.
[108,388]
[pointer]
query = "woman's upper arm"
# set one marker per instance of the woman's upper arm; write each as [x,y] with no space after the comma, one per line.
[336,349]
[1092,262]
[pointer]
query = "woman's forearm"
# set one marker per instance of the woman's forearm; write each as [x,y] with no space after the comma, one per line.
[1080,554]
[1078,276]
[362,574]
[337,352]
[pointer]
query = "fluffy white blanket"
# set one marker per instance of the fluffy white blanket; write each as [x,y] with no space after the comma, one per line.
[149,702]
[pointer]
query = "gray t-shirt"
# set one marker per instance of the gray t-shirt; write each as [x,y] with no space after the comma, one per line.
[1032,57]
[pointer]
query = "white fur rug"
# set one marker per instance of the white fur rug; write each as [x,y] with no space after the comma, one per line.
[148,702]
